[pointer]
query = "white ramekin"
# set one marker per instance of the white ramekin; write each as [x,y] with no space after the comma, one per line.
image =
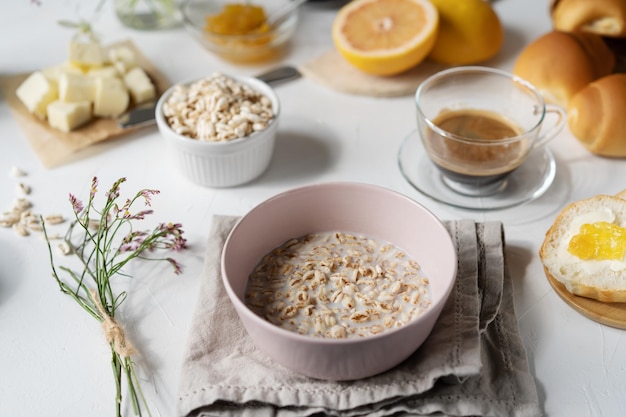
[223,164]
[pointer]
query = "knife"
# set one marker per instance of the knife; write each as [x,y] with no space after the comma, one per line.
[143,115]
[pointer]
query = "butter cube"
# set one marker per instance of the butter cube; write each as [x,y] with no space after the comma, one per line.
[140,86]
[76,87]
[123,67]
[36,92]
[68,116]
[105,71]
[122,53]
[86,54]
[54,73]
[123,59]
[111,98]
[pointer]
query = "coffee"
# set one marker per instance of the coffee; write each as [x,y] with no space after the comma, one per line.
[475,150]
[478,125]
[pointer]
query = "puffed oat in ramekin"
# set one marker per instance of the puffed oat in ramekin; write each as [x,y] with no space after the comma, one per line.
[189,114]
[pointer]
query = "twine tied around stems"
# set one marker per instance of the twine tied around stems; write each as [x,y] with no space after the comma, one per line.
[113,332]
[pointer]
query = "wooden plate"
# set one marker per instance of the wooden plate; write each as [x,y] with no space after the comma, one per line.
[611,314]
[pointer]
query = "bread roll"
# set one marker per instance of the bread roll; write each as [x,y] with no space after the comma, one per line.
[603,280]
[596,116]
[602,17]
[560,64]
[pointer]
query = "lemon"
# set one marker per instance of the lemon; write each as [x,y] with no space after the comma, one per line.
[385,37]
[469,32]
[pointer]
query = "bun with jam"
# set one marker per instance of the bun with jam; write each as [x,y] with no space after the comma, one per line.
[560,64]
[596,116]
[602,17]
[585,249]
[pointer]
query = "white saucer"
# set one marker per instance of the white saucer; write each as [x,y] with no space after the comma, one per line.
[525,184]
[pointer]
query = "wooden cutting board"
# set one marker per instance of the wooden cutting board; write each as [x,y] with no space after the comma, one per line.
[332,70]
[611,314]
[53,147]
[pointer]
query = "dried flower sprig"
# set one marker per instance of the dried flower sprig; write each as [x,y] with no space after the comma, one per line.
[104,241]
[83,27]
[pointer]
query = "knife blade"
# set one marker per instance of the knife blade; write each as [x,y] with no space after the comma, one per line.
[143,115]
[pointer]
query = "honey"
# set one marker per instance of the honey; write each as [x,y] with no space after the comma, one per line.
[238,19]
[241,33]
[599,241]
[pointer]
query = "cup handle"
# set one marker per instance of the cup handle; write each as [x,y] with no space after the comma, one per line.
[555,129]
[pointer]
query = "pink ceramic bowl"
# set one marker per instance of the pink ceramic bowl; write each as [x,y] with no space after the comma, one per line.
[359,208]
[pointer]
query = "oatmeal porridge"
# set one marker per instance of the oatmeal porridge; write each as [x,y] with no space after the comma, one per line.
[338,285]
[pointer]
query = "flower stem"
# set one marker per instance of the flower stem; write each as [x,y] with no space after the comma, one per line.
[117,376]
[102,254]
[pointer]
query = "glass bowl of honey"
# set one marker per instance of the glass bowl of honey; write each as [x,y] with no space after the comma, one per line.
[241,32]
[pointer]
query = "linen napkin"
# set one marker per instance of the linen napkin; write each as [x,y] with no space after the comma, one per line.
[472,364]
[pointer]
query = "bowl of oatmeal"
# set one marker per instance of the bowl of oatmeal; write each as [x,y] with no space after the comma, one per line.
[339,281]
[220,129]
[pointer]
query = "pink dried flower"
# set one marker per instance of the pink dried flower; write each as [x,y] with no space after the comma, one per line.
[94,188]
[114,192]
[131,246]
[174,232]
[178,269]
[77,205]
[126,207]
[147,195]
[141,215]
[133,241]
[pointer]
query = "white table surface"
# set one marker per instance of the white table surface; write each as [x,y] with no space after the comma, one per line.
[53,358]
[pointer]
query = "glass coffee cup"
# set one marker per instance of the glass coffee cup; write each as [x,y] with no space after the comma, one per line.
[479,124]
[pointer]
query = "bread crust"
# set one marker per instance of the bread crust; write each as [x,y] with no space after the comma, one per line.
[601,17]
[560,64]
[559,230]
[581,290]
[596,116]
